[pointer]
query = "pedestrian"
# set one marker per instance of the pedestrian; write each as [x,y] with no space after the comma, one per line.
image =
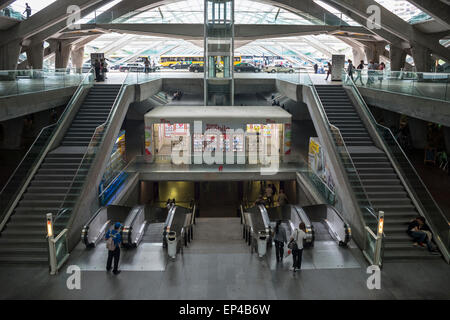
[329,70]
[350,69]
[370,72]
[381,68]
[113,241]
[269,194]
[27,10]
[147,65]
[316,67]
[282,198]
[296,245]
[359,72]
[280,239]
[104,67]
[97,69]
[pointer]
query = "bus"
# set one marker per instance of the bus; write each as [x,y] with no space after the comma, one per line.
[167,61]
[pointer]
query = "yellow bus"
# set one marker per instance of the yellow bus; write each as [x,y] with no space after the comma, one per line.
[167,61]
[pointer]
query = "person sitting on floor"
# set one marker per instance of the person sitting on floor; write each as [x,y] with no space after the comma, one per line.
[419,231]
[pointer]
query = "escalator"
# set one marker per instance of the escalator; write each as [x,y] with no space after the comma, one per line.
[377,177]
[55,181]
[291,216]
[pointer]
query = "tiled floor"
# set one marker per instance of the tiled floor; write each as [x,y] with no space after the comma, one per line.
[218,265]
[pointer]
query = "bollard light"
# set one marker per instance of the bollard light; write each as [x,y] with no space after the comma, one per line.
[381,223]
[49,225]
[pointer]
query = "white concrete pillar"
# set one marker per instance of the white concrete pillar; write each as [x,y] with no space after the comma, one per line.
[418,131]
[422,58]
[398,58]
[62,51]
[374,50]
[77,58]
[35,55]
[9,55]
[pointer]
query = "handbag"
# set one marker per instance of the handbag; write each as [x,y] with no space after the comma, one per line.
[293,243]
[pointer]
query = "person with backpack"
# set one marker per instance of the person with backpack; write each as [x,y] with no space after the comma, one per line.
[113,241]
[279,239]
[296,245]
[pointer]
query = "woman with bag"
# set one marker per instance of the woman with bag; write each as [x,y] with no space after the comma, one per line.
[296,245]
[279,239]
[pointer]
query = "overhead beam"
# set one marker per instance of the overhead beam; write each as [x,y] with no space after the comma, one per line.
[438,10]
[192,31]
[45,18]
[395,25]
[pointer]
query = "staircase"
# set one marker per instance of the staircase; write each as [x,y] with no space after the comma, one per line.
[381,183]
[24,238]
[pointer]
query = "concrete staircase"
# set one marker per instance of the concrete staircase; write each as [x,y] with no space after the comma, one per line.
[381,183]
[24,238]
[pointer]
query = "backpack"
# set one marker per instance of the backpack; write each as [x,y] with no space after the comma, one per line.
[110,245]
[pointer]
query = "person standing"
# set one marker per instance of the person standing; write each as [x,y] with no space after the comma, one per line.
[280,239]
[359,72]
[282,198]
[147,65]
[97,70]
[370,71]
[316,67]
[350,69]
[27,10]
[297,238]
[113,241]
[330,67]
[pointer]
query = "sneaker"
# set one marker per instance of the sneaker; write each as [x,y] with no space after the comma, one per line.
[295,270]
[117,272]
[415,244]
[108,270]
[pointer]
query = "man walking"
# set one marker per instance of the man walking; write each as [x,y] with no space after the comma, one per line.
[113,241]
[27,10]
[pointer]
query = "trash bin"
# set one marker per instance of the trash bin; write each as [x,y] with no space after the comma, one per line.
[262,243]
[172,244]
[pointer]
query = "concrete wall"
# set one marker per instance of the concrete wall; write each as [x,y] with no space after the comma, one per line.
[24,104]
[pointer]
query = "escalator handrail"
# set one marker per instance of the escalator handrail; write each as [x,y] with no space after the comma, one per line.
[92,142]
[394,161]
[325,117]
[85,229]
[114,180]
[46,147]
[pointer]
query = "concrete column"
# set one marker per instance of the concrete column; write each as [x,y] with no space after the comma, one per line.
[422,58]
[9,55]
[358,55]
[12,130]
[35,56]
[398,58]
[418,131]
[62,53]
[77,58]
[374,50]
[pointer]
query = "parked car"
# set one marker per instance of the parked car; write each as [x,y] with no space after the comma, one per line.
[180,65]
[133,67]
[279,68]
[197,67]
[246,67]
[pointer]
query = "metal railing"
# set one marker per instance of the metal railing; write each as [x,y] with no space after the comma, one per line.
[420,194]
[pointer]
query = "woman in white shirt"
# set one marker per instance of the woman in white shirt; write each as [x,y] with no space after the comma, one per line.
[298,235]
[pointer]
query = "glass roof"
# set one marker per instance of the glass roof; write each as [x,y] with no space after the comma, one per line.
[191,11]
[404,10]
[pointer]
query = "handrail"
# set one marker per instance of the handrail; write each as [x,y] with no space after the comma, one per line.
[394,161]
[114,180]
[341,140]
[93,139]
[44,150]
[23,159]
